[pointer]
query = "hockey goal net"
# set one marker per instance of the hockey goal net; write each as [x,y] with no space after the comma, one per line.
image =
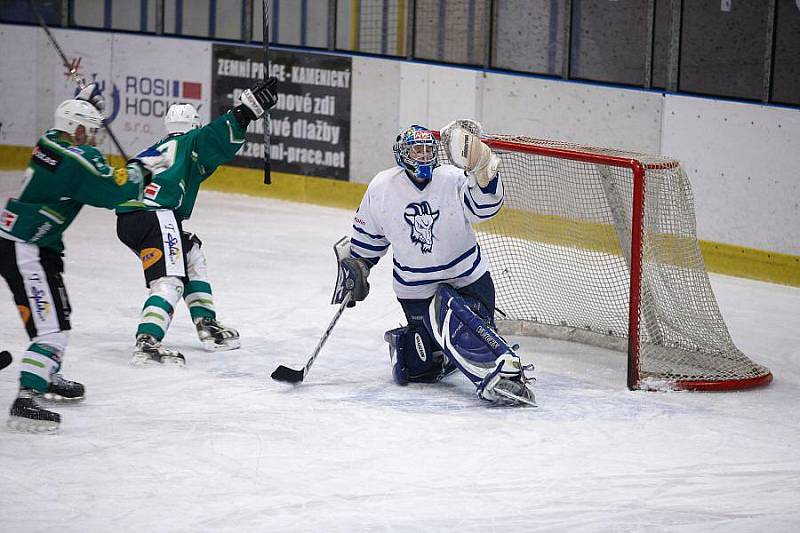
[600,246]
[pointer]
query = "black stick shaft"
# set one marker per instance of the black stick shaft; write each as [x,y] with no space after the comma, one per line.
[267,19]
[73,72]
[324,338]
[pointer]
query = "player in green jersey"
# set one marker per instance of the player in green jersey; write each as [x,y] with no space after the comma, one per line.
[66,172]
[172,259]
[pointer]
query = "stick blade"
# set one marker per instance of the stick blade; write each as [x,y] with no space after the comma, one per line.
[288,375]
[5,359]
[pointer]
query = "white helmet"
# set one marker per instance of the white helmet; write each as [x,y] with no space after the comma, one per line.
[73,113]
[181,118]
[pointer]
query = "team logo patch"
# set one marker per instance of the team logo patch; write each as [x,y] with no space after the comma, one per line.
[151,191]
[173,248]
[24,313]
[38,296]
[420,346]
[421,218]
[7,220]
[150,256]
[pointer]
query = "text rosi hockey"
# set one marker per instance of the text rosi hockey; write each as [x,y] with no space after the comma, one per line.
[305,75]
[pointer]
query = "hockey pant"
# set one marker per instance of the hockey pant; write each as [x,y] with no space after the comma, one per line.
[174,265]
[34,276]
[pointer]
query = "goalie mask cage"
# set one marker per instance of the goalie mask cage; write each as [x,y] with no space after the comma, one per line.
[600,247]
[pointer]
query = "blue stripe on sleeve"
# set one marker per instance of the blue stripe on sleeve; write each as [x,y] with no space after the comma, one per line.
[366,246]
[371,260]
[490,215]
[484,206]
[370,235]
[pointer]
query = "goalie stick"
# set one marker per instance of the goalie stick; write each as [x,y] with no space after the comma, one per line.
[290,375]
[5,359]
[72,71]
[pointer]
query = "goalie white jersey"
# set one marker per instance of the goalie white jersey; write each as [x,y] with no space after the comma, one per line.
[429,230]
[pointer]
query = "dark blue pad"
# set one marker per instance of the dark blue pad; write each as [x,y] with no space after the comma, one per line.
[466,338]
[411,350]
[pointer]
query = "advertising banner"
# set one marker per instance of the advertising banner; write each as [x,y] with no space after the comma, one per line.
[139,77]
[148,75]
[310,125]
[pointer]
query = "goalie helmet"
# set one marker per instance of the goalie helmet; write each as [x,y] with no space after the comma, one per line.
[73,113]
[415,149]
[181,118]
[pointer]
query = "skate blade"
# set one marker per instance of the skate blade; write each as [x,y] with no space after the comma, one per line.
[57,398]
[18,423]
[144,360]
[230,344]
[519,400]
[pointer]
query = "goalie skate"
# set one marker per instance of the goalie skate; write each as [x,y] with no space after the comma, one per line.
[27,415]
[508,384]
[149,351]
[509,392]
[64,390]
[215,336]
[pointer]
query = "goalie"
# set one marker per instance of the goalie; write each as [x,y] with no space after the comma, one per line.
[424,210]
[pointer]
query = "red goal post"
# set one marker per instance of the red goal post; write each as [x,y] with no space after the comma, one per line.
[599,246]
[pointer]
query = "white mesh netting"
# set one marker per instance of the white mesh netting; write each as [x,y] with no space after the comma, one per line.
[560,255]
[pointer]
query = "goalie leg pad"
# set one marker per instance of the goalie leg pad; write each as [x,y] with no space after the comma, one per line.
[414,357]
[466,338]
[480,353]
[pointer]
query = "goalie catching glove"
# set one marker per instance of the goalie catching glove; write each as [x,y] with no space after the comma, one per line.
[461,139]
[351,276]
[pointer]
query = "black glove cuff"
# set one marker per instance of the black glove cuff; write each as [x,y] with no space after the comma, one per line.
[243,115]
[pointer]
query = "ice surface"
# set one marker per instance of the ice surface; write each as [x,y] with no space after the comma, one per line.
[218,446]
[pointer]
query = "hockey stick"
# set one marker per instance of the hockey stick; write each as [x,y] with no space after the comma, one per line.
[289,375]
[72,71]
[5,359]
[267,21]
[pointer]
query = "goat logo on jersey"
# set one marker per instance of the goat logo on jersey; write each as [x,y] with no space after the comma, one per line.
[421,219]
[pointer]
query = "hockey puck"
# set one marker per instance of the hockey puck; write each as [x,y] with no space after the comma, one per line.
[5,359]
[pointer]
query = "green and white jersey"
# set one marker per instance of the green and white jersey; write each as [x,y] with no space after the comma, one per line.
[192,158]
[60,179]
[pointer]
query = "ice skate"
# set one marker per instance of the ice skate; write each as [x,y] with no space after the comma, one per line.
[508,384]
[149,351]
[215,336]
[27,415]
[63,390]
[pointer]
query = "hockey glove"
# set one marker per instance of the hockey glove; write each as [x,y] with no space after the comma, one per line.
[91,94]
[259,98]
[353,273]
[152,162]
